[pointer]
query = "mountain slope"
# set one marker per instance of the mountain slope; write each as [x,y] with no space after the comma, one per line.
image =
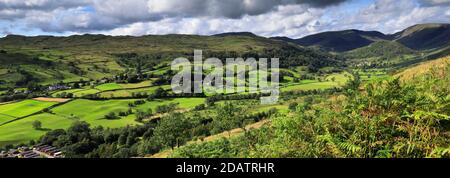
[97,56]
[425,67]
[417,37]
[424,36]
[248,34]
[387,49]
[340,41]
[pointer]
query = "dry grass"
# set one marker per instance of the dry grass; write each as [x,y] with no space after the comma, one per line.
[424,68]
[226,134]
[59,100]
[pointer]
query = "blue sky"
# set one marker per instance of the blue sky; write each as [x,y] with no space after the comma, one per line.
[292,18]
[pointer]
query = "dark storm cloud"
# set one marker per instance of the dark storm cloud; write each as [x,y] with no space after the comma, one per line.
[40,4]
[109,14]
[435,2]
[265,17]
[320,3]
[229,8]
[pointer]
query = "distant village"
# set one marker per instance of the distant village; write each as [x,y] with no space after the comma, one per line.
[37,151]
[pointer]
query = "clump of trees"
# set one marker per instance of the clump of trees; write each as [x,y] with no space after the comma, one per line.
[166,108]
[64,95]
[143,114]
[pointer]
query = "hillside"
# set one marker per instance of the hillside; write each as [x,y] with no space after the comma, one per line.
[340,41]
[386,49]
[384,119]
[91,57]
[418,37]
[424,36]
[248,34]
[423,68]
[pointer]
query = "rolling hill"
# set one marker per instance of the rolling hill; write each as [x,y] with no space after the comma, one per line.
[386,49]
[48,59]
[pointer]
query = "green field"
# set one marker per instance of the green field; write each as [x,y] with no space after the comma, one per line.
[21,131]
[183,103]
[109,86]
[80,92]
[334,80]
[372,75]
[11,111]
[129,92]
[55,94]
[86,92]
[91,111]
[146,83]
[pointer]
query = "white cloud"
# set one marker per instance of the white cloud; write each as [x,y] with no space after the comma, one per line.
[286,20]
[293,18]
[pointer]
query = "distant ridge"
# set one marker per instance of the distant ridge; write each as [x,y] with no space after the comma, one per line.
[340,41]
[283,38]
[424,36]
[248,34]
[417,37]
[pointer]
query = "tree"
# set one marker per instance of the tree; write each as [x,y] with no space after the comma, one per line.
[293,106]
[78,131]
[228,117]
[141,115]
[159,93]
[173,130]
[37,125]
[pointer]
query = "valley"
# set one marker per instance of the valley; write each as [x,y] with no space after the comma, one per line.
[342,94]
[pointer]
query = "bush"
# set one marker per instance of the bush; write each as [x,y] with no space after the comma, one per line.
[293,106]
[166,108]
[111,116]
[37,125]
[200,107]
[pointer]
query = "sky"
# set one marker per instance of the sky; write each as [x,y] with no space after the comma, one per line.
[291,18]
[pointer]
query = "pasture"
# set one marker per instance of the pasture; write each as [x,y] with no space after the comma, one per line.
[142,84]
[23,108]
[330,81]
[91,111]
[21,131]
[108,86]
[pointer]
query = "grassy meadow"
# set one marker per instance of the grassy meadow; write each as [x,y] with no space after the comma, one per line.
[19,109]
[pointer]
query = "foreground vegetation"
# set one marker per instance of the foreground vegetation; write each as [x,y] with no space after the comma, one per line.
[387,119]
[95,101]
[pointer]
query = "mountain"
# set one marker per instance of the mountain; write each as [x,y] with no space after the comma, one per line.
[248,34]
[340,41]
[417,37]
[386,49]
[424,36]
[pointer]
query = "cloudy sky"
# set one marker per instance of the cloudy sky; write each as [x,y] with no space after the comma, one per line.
[292,18]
